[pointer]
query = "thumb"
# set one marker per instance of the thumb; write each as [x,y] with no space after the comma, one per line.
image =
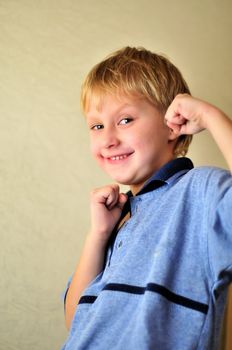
[122,200]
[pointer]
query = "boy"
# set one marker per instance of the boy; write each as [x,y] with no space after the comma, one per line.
[158,260]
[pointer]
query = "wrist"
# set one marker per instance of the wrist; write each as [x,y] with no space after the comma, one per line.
[210,115]
[98,239]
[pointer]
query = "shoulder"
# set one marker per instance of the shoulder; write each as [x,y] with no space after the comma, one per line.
[204,173]
[203,178]
[208,180]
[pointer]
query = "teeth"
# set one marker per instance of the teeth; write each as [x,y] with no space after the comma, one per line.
[118,157]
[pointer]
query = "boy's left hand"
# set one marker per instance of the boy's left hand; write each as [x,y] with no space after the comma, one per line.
[186,115]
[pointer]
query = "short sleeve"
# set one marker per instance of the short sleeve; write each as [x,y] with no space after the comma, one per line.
[64,293]
[219,221]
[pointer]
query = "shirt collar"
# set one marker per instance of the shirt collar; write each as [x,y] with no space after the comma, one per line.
[161,176]
[170,169]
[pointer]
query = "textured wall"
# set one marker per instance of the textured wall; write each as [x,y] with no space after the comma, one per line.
[46,48]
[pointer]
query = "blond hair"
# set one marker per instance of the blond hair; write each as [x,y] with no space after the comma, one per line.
[137,72]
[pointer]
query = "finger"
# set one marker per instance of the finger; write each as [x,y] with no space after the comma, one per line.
[174,127]
[122,200]
[175,118]
[105,195]
[112,197]
[183,129]
[119,201]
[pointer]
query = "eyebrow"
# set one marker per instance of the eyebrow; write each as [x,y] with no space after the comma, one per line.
[116,111]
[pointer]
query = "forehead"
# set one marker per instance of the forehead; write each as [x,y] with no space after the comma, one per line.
[97,95]
[98,102]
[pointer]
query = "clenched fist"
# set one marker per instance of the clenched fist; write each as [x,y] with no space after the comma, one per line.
[106,205]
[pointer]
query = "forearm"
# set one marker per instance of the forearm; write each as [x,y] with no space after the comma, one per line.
[220,127]
[89,266]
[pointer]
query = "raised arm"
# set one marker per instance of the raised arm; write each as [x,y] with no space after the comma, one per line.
[189,115]
[106,207]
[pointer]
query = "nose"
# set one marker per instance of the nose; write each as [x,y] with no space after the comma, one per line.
[110,138]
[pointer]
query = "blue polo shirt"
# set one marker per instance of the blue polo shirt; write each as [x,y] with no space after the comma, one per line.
[167,269]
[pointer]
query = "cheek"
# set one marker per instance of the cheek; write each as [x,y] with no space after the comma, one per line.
[95,152]
[93,148]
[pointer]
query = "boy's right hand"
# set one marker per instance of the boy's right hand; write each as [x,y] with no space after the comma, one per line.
[106,206]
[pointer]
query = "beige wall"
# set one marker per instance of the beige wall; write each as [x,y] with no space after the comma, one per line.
[46,48]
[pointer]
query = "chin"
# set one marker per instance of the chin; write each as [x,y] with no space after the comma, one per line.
[121,181]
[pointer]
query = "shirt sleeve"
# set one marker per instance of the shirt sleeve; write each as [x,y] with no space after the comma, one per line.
[219,221]
[64,293]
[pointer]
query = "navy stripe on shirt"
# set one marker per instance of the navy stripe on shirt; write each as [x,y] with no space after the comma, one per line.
[151,287]
[87,299]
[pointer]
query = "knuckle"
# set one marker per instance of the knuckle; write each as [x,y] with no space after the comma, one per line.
[107,191]
[115,187]
[92,192]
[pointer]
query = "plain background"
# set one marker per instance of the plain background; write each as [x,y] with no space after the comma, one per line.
[46,172]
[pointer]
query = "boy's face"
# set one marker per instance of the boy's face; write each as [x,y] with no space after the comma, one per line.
[129,139]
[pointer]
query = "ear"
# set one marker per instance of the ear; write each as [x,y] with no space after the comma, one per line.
[172,135]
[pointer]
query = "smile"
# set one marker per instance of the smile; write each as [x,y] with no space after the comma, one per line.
[118,157]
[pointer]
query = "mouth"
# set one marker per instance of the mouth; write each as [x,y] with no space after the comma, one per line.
[118,157]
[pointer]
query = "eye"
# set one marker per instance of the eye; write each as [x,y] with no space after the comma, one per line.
[126,120]
[97,127]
